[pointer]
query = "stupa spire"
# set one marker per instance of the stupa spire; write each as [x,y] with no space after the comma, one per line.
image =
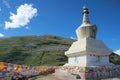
[86,29]
[85,15]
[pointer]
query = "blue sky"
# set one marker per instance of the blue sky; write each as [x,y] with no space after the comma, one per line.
[60,17]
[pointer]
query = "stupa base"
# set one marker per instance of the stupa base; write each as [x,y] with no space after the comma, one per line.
[98,75]
[91,73]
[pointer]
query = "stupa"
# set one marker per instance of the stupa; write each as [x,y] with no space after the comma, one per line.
[87,50]
[88,57]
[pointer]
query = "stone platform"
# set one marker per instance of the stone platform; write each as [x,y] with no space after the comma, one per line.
[90,73]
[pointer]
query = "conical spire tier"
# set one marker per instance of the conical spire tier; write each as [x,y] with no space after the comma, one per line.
[85,16]
[86,29]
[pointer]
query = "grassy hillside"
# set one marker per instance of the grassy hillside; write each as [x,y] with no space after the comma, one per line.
[114,58]
[34,50]
[38,50]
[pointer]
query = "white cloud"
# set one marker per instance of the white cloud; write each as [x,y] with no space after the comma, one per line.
[117,52]
[1,35]
[6,3]
[73,38]
[26,27]
[24,14]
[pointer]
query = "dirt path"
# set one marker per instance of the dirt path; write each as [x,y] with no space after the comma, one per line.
[57,76]
[48,77]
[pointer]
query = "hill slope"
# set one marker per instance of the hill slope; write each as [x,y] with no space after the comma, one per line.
[34,50]
[38,50]
[114,58]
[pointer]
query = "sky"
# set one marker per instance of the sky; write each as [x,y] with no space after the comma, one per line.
[60,18]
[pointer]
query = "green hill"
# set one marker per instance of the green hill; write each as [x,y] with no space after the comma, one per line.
[38,50]
[34,50]
[114,58]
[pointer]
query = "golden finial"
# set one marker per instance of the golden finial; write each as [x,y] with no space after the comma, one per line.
[85,10]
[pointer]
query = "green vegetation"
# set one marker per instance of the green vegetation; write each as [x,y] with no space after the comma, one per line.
[114,58]
[38,50]
[34,50]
